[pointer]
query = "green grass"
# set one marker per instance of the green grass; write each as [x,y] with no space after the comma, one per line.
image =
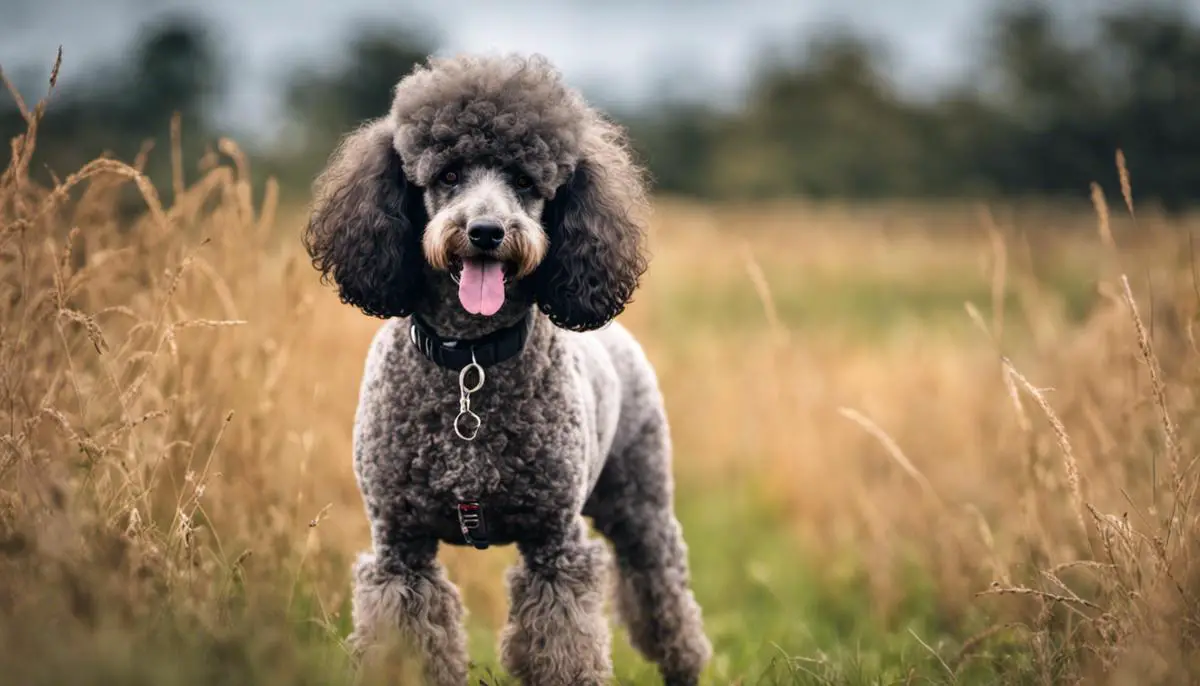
[777,614]
[863,306]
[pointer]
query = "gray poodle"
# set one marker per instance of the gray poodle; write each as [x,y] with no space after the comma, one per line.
[496,221]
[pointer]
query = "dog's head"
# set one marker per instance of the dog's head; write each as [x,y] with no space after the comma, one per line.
[491,172]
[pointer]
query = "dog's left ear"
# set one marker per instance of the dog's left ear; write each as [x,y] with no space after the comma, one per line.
[596,226]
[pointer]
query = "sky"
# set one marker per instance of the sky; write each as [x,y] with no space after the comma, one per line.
[621,51]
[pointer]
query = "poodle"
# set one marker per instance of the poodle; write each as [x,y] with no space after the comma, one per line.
[496,222]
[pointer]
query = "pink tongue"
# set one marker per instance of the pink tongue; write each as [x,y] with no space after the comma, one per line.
[481,288]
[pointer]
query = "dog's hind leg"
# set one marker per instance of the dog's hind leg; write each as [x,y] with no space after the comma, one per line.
[632,505]
[557,633]
[402,592]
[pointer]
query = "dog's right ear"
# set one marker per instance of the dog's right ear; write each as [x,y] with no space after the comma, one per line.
[364,229]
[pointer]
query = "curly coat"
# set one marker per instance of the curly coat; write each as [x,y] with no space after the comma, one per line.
[573,426]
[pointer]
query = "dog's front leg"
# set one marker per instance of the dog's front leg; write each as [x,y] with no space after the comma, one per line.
[557,633]
[403,593]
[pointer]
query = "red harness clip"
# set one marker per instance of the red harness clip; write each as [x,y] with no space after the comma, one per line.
[471,522]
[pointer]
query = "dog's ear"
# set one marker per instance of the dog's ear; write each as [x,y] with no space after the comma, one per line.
[364,229]
[596,227]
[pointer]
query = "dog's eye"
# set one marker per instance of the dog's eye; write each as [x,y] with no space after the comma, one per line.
[450,178]
[524,182]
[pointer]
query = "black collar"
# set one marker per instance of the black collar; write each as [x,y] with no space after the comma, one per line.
[456,353]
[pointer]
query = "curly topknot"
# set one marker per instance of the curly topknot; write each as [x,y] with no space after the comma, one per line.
[513,109]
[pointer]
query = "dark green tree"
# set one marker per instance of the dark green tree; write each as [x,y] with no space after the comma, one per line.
[1156,72]
[173,66]
[325,105]
[827,124]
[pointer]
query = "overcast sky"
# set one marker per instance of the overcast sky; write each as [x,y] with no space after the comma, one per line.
[620,50]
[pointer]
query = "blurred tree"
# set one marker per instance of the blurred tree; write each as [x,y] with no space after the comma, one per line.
[1041,75]
[326,105]
[1044,112]
[1156,71]
[827,124]
[174,66]
[677,140]
[1068,106]
[1045,117]
[175,69]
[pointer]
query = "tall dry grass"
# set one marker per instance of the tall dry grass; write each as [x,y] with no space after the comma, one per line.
[1043,476]
[162,480]
[177,392]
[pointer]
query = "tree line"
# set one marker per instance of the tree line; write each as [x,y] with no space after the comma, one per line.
[1043,112]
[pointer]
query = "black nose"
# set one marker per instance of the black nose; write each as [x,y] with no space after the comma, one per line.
[485,234]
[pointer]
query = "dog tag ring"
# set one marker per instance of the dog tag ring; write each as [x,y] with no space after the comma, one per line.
[462,376]
[467,423]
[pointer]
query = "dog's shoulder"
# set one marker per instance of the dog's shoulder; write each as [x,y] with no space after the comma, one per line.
[386,363]
[385,347]
[615,362]
[623,350]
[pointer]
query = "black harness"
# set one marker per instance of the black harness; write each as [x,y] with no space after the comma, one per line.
[455,354]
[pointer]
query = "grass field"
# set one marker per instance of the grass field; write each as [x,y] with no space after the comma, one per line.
[914,444]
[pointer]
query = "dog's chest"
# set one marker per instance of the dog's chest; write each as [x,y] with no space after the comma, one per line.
[526,465]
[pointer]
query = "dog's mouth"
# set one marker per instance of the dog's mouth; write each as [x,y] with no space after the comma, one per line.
[481,282]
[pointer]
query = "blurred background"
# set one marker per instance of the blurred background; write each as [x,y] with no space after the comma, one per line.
[922,304]
[850,98]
